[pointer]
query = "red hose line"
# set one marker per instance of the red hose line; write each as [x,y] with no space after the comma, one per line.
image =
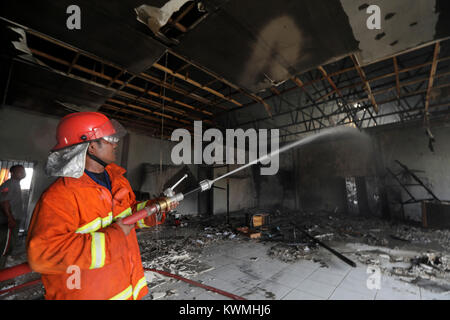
[24,268]
[224,293]
[15,271]
[20,286]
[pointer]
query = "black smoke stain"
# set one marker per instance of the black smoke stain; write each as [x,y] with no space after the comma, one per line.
[413,24]
[389,15]
[363,7]
[379,36]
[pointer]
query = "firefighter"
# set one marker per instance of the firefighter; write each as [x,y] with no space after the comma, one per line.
[77,239]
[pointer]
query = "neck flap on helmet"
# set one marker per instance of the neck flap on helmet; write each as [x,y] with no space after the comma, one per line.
[67,162]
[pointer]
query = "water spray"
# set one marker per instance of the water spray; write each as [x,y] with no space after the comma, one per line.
[163,204]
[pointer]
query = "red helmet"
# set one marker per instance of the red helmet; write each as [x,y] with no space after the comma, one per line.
[81,127]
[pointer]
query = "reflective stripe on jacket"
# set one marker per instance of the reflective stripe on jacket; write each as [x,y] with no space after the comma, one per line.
[73,228]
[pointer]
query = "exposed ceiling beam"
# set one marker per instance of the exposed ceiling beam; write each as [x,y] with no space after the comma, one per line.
[122,71]
[403,84]
[437,49]
[194,83]
[348,122]
[156,122]
[348,109]
[128,85]
[397,76]
[362,74]
[254,97]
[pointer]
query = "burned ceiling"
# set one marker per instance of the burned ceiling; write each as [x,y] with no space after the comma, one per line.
[295,65]
[109,29]
[258,44]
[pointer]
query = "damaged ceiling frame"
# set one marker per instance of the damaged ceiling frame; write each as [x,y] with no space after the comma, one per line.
[112,80]
[360,83]
[237,89]
[367,83]
[164,21]
[158,18]
[186,98]
[179,113]
[121,93]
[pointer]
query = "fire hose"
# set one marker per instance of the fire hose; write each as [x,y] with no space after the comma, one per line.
[24,268]
[209,288]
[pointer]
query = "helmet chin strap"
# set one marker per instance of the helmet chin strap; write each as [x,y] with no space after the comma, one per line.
[96,159]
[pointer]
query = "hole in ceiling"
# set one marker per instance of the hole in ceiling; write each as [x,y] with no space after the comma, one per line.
[170,22]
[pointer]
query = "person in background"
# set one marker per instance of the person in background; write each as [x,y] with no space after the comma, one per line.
[11,207]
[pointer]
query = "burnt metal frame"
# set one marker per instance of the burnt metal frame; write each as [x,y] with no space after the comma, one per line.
[195,102]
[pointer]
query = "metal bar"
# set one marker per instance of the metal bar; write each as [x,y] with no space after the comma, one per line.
[366,83]
[194,83]
[337,254]
[347,108]
[356,84]
[142,75]
[8,81]
[430,82]
[401,184]
[397,78]
[254,97]
[128,85]
[417,179]
[378,116]
[379,103]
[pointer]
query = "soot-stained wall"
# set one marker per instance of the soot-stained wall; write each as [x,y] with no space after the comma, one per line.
[323,167]
[410,146]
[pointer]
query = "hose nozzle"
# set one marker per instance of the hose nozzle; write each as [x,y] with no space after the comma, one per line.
[162,205]
[206,184]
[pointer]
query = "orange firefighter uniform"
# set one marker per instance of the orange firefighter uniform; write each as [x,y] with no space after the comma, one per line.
[72,230]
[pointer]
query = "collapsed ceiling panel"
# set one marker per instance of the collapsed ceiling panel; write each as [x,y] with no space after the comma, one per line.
[108,29]
[402,26]
[259,43]
[155,17]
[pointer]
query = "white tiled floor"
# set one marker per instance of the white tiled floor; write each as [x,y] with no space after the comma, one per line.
[266,278]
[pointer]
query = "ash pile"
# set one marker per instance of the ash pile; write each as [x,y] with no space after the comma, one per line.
[403,250]
[178,248]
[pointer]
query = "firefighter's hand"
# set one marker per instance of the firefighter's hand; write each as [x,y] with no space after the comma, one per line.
[11,223]
[126,228]
[173,205]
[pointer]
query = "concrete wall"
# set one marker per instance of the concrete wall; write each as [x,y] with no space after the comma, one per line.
[241,187]
[278,191]
[410,146]
[144,149]
[147,150]
[313,176]
[250,189]
[323,167]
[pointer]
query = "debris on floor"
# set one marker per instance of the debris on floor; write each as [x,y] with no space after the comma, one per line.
[291,253]
[404,251]
[179,250]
